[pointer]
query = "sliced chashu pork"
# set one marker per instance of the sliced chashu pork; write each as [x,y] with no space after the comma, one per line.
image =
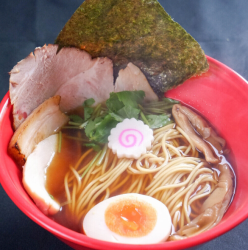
[131,78]
[71,73]
[96,83]
[44,121]
[34,175]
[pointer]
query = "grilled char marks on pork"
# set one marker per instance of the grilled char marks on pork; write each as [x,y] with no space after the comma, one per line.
[44,121]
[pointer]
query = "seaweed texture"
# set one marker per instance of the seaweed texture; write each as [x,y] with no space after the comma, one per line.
[137,31]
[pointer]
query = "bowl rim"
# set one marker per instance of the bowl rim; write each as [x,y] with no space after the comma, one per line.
[82,240]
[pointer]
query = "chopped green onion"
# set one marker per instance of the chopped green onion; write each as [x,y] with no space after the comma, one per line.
[99,120]
[96,109]
[74,123]
[144,118]
[77,138]
[91,164]
[69,127]
[83,125]
[104,150]
[169,100]
[51,196]
[99,111]
[155,110]
[95,146]
[60,141]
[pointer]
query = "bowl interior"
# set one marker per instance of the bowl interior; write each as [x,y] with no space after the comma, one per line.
[220,95]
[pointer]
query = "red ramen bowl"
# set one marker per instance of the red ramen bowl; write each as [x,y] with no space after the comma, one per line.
[220,95]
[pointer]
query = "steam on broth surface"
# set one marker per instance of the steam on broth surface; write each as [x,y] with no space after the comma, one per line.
[173,171]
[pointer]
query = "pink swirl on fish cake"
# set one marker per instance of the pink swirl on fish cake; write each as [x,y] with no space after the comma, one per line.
[125,138]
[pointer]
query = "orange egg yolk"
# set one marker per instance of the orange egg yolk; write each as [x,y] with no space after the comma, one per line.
[131,218]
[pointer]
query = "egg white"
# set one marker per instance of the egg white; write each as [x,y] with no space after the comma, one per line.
[95,227]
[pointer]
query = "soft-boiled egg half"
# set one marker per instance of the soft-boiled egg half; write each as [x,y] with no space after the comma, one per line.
[130,219]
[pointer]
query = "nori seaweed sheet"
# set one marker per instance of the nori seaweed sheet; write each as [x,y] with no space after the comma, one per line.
[137,31]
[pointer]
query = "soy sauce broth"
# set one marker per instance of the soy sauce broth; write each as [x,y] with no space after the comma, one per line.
[71,151]
[55,174]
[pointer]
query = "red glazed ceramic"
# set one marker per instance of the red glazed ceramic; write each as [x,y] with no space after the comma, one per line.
[220,95]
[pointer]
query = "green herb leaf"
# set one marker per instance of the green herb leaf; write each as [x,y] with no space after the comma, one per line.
[88,102]
[125,98]
[95,146]
[51,196]
[113,103]
[158,121]
[76,118]
[91,126]
[126,104]
[131,98]
[129,112]
[102,131]
[116,117]
[88,112]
